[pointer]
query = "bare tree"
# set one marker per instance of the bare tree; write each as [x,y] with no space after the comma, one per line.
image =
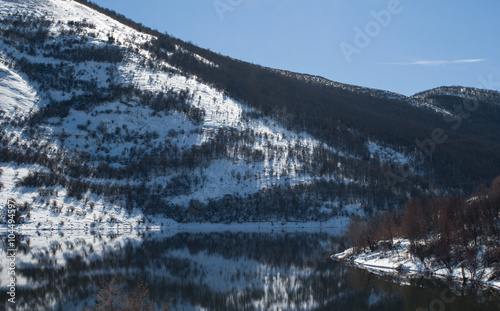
[112,295]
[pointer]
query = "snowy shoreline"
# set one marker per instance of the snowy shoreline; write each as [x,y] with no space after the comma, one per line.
[336,226]
[399,261]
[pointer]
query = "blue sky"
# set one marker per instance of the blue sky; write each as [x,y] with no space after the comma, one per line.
[404,46]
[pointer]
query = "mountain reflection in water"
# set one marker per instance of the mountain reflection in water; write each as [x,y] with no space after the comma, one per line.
[217,271]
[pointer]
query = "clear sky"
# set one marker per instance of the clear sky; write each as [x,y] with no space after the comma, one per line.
[404,46]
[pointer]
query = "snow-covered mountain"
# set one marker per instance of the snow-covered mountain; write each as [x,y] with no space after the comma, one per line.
[100,114]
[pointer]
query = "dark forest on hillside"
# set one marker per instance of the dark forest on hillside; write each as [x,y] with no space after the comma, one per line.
[338,115]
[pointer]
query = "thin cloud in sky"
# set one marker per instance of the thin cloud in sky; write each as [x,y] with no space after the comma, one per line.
[440,62]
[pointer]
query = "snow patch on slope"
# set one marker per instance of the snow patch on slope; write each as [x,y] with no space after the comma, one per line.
[17,97]
[387,154]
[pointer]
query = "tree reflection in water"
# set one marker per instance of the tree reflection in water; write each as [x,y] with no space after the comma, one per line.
[215,271]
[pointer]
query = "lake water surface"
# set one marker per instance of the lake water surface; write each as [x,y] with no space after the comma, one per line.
[217,271]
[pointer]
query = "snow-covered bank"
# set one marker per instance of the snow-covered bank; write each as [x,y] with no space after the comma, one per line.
[335,226]
[398,260]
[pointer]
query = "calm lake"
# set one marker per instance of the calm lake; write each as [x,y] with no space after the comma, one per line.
[216,271]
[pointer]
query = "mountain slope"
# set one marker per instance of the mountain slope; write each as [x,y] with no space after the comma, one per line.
[104,112]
